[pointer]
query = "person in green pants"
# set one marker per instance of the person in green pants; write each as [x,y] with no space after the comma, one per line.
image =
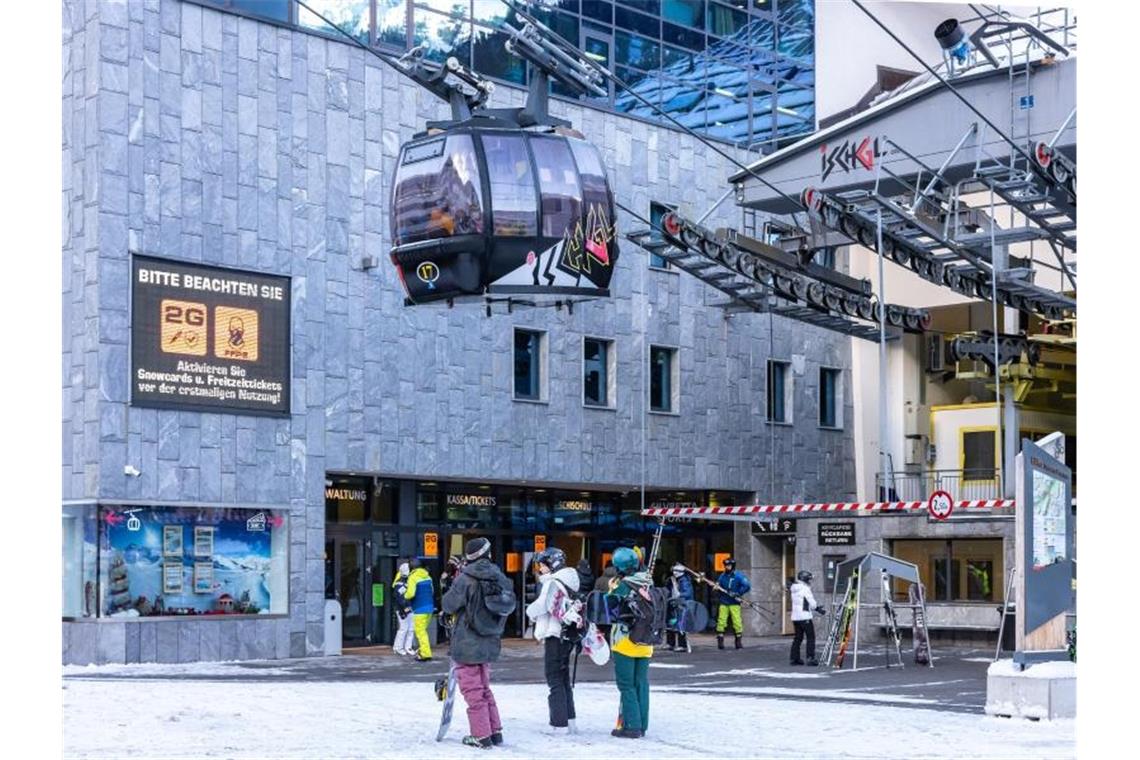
[631,661]
[736,583]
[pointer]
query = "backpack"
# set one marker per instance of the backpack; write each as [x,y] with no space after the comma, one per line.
[648,607]
[569,609]
[494,601]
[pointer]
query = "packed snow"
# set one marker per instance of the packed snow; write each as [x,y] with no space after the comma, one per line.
[1060,669]
[202,718]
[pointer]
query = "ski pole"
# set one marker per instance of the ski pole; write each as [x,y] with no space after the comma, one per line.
[755,607]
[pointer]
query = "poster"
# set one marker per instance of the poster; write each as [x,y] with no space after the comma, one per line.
[203,577]
[1050,512]
[172,541]
[209,339]
[203,541]
[172,577]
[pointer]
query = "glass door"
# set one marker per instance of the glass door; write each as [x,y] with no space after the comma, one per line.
[789,573]
[597,46]
[347,577]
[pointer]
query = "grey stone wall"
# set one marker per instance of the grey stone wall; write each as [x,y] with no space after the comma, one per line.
[207,137]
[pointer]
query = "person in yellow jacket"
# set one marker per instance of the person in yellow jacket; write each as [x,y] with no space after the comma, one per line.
[422,597]
[631,660]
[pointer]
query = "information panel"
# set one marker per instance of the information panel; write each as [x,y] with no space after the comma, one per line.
[209,339]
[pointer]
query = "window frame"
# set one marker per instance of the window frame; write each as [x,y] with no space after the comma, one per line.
[611,373]
[837,398]
[539,366]
[962,432]
[789,395]
[674,380]
[655,237]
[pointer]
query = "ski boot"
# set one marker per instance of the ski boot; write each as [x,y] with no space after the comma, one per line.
[497,738]
[627,733]
[422,659]
[484,743]
[739,641]
[813,662]
[720,641]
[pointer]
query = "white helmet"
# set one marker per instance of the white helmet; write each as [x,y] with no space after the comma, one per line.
[678,569]
[404,569]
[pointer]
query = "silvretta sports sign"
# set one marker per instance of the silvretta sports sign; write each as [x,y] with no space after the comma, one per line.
[849,155]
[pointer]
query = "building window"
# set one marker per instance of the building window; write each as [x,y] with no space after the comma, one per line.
[958,570]
[657,211]
[597,356]
[131,561]
[662,379]
[979,454]
[830,398]
[528,365]
[353,16]
[779,392]
[278,10]
[825,257]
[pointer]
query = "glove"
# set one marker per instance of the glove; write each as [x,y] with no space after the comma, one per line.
[820,610]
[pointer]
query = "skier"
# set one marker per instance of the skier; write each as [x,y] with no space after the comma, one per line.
[681,589]
[473,645]
[404,634]
[631,661]
[803,605]
[736,584]
[419,592]
[555,576]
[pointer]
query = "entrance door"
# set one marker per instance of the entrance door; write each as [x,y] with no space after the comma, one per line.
[789,572]
[348,580]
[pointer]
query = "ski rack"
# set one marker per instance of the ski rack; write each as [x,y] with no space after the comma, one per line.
[750,272]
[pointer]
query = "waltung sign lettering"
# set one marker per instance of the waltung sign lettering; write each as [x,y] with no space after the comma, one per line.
[209,339]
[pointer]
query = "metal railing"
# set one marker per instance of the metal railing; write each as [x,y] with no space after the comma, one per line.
[962,485]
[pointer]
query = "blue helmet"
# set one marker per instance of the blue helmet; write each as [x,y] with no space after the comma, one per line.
[626,560]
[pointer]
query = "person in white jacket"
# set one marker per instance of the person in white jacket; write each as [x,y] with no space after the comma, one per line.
[552,609]
[405,640]
[803,605]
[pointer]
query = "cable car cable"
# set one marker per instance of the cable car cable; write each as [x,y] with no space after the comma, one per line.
[512,4]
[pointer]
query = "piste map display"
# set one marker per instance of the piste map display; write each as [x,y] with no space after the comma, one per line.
[209,339]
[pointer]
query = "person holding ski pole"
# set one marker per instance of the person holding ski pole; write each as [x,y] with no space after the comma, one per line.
[631,659]
[419,593]
[405,637]
[550,611]
[733,585]
[481,598]
[681,591]
[803,605]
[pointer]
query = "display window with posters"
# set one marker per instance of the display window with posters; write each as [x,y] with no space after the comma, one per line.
[128,562]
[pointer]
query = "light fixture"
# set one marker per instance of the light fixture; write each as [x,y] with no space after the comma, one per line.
[788,112]
[724,92]
[595,56]
[952,38]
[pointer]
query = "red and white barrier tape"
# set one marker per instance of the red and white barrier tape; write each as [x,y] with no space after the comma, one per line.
[849,506]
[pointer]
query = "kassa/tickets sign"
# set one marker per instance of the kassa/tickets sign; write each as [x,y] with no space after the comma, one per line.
[209,339]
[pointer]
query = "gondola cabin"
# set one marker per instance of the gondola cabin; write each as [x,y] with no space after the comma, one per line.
[480,210]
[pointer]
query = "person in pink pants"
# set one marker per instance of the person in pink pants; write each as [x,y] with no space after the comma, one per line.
[482,712]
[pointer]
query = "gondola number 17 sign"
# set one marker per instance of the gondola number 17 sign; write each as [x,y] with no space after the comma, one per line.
[209,339]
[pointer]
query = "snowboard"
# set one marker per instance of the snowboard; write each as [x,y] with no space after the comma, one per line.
[918,626]
[689,616]
[445,689]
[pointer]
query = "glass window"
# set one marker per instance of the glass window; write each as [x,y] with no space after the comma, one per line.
[528,365]
[350,15]
[690,13]
[979,452]
[438,191]
[661,379]
[347,499]
[454,8]
[80,561]
[442,36]
[657,211]
[277,10]
[598,9]
[429,505]
[979,580]
[162,561]
[563,25]
[958,570]
[597,204]
[386,501]
[636,22]
[828,399]
[778,406]
[725,21]
[684,36]
[514,202]
[492,59]
[825,257]
[558,182]
[392,22]
[595,358]
[645,6]
[633,50]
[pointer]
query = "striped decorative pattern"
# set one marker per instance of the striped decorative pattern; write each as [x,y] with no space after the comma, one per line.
[855,506]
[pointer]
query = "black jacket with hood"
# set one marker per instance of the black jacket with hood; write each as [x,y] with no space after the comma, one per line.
[469,647]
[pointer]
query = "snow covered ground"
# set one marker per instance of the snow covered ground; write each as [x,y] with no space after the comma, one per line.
[151,716]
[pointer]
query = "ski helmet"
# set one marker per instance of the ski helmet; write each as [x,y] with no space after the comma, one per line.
[678,569]
[804,576]
[625,560]
[729,563]
[554,558]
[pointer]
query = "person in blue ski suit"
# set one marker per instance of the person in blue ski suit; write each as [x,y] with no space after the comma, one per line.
[736,583]
[681,591]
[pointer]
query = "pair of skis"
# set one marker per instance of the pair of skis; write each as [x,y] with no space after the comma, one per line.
[740,600]
[840,633]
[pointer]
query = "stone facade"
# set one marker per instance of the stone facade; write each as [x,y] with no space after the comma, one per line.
[203,136]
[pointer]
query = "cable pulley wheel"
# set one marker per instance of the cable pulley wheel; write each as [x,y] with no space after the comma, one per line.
[815,294]
[832,300]
[866,309]
[911,321]
[894,316]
